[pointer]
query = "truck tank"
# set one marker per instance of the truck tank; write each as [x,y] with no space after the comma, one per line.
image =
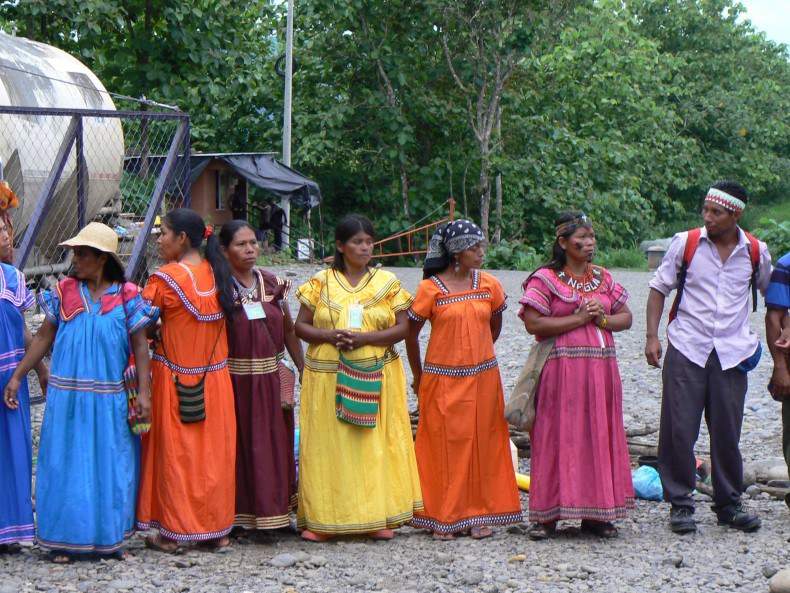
[34,74]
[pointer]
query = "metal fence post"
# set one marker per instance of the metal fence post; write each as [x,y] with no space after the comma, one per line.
[42,207]
[81,177]
[162,183]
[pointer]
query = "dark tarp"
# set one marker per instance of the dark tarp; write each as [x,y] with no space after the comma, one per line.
[267,173]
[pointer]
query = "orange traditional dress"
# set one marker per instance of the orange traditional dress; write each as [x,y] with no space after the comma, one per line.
[463,450]
[187,486]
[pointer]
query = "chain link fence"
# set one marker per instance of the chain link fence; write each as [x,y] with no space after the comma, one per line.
[70,167]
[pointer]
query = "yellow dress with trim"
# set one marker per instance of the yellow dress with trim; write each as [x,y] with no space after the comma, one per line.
[354,479]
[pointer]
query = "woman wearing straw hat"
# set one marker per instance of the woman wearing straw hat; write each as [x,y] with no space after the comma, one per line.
[16,461]
[88,459]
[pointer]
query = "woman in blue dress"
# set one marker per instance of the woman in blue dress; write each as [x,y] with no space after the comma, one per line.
[16,460]
[88,459]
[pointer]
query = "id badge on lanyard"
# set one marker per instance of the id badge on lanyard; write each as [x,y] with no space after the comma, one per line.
[254,310]
[355,316]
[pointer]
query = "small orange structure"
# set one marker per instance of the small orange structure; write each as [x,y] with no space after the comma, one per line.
[413,238]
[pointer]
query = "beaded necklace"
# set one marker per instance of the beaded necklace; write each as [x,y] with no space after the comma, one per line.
[589,282]
[246,295]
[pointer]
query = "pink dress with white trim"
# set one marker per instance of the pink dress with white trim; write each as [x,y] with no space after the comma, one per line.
[580,466]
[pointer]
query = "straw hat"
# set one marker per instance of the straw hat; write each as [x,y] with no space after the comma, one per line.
[99,236]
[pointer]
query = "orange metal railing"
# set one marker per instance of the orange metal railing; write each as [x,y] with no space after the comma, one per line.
[410,237]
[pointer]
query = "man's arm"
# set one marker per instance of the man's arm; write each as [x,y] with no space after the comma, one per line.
[655,308]
[774,320]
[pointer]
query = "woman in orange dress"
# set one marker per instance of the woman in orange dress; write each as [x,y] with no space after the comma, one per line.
[187,487]
[463,451]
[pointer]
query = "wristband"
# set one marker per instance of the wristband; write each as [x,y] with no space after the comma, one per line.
[603,323]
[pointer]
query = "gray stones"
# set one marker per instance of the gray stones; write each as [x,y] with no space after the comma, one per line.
[282,560]
[769,570]
[645,557]
[123,585]
[754,491]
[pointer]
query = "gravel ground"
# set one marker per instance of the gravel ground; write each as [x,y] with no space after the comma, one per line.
[646,556]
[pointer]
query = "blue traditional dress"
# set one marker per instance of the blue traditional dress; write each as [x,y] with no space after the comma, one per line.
[16,456]
[88,459]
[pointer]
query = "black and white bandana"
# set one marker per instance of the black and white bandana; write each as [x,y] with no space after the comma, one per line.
[451,238]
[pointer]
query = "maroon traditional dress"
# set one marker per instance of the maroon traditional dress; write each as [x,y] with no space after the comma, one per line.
[580,467]
[265,465]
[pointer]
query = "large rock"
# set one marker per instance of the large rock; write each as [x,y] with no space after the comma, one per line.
[780,582]
[663,243]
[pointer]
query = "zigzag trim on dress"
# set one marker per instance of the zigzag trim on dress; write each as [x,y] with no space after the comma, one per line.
[582,352]
[183,537]
[189,370]
[560,512]
[186,302]
[465,524]
[465,371]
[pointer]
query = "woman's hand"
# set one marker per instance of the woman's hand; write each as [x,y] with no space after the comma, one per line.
[415,384]
[595,308]
[144,405]
[783,343]
[43,380]
[354,340]
[11,390]
[337,337]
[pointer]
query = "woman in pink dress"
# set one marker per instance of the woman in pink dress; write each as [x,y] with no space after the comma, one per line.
[580,467]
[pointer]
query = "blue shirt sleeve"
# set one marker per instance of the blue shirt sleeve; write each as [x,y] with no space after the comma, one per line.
[777,295]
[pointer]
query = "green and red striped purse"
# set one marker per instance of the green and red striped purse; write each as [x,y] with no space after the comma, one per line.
[358,391]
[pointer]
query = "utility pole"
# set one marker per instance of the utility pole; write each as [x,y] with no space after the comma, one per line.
[289,71]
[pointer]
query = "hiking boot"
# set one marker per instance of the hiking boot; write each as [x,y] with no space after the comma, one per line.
[681,519]
[733,515]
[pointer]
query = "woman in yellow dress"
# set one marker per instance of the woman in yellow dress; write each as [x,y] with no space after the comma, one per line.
[354,479]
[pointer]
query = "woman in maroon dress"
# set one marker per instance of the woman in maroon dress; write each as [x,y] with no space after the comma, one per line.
[260,331]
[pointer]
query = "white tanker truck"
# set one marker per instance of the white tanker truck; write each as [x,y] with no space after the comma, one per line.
[36,75]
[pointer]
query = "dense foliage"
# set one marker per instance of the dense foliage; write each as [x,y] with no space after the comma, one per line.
[517,109]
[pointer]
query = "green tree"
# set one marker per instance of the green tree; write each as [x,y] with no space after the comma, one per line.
[730,91]
[211,58]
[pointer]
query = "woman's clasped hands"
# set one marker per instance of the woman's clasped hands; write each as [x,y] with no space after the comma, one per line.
[591,310]
[345,339]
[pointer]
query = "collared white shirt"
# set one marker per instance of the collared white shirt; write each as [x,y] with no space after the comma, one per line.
[714,310]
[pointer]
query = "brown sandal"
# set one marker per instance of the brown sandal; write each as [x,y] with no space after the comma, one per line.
[600,528]
[539,531]
[481,532]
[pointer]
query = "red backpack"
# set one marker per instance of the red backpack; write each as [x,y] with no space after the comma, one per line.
[688,253]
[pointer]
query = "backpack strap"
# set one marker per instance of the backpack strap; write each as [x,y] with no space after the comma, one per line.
[754,255]
[692,240]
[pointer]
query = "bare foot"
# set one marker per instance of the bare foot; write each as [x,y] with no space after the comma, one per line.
[161,544]
[61,558]
[315,537]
